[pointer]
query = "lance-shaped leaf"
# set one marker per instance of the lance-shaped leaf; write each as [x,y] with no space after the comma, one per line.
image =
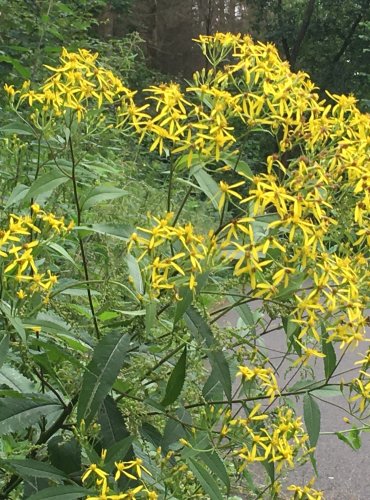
[13,379]
[61,492]
[46,183]
[28,467]
[176,381]
[208,483]
[119,231]
[330,360]
[202,332]
[18,413]
[4,347]
[15,321]
[65,455]
[112,423]
[101,373]
[208,185]
[135,273]
[187,296]
[312,418]
[100,194]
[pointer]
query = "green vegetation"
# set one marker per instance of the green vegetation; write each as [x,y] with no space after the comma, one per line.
[135,216]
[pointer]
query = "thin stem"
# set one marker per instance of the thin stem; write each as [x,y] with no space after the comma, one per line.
[45,383]
[344,431]
[185,199]
[169,192]
[314,387]
[82,248]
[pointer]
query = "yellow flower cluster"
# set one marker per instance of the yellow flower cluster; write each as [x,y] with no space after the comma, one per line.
[131,469]
[75,84]
[259,89]
[278,441]
[168,271]
[316,198]
[264,378]
[305,492]
[18,243]
[360,385]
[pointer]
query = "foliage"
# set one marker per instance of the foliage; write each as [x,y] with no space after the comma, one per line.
[41,27]
[117,379]
[327,42]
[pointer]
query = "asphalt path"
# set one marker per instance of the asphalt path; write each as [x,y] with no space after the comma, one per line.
[344,474]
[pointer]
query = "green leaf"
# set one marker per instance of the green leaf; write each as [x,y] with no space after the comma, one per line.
[150,316]
[208,185]
[15,321]
[34,484]
[135,273]
[53,327]
[187,296]
[291,329]
[45,184]
[4,347]
[300,385]
[294,285]
[202,332]
[18,194]
[22,70]
[102,193]
[330,360]
[270,469]
[242,166]
[65,455]
[100,374]
[245,312]
[119,231]
[312,417]
[108,315]
[113,427]
[212,390]
[216,465]
[28,467]
[176,381]
[16,413]
[62,492]
[13,379]
[151,434]
[209,485]
[62,251]
[352,438]
[121,450]
[18,128]
[174,429]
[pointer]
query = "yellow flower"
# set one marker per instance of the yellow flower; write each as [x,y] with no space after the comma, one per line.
[94,469]
[9,89]
[21,294]
[306,492]
[228,191]
[307,354]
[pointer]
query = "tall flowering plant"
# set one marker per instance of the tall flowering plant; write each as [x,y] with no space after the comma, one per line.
[163,401]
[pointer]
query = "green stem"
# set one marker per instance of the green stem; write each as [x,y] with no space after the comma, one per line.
[185,199]
[169,192]
[82,248]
